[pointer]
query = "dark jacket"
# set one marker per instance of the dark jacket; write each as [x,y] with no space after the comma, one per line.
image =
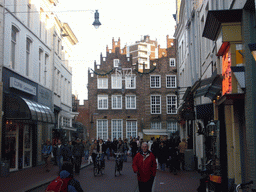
[114,145]
[163,154]
[78,149]
[104,147]
[120,148]
[108,144]
[59,150]
[155,149]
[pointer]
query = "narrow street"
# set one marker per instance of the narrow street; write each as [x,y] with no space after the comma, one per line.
[165,181]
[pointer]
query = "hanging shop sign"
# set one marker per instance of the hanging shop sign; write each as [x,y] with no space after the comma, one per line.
[226,72]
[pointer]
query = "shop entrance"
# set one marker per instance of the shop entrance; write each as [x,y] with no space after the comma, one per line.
[18,145]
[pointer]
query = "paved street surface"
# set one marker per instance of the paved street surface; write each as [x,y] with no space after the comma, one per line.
[165,181]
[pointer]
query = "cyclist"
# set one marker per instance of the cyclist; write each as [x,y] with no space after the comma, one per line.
[93,152]
[101,149]
[120,149]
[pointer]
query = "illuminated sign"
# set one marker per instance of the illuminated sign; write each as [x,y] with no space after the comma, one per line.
[226,72]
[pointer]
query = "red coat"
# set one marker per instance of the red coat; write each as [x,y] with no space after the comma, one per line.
[145,168]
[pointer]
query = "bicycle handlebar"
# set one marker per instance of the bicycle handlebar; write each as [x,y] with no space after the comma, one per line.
[242,185]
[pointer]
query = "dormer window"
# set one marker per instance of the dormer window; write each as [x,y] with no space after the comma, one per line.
[116,62]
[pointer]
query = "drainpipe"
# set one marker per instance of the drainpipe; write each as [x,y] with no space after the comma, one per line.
[2,7]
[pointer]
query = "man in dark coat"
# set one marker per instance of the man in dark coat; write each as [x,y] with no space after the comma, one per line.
[162,156]
[134,147]
[78,153]
[144,164]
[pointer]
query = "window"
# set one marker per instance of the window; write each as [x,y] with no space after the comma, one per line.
[116,101]
[131,129]
[172,126]
[66,122]
[155,104]
[171,102]
[130,101]
[102,102]
[40,65]
[46,28]
[41,22]
[102,129]
[172,62]
[156,125]
[28,49]
[117,129]
[116,81]
[14,47]
[116,62]
[155,81]
[29,13]
[45,68]
[102,83]
[130,82]
[171,81]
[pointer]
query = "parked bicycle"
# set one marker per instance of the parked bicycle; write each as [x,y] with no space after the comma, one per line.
[99,168]
[119,163]
[245,187]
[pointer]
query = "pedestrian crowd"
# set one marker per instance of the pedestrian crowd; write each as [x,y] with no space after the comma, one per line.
[157,153]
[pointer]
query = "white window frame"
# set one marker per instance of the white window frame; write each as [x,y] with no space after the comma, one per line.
[156,125]
[116,81]
[170,62]
[14,46]
[115,103]
[155,86]
[128,80]
[102,83]
[170,126]
[102,97]
[112,129]
[116,62]
[136,127]
[97,127]
[41,52]
[28,55]
[128,99]
[170,86]
[151,105]
[167,104]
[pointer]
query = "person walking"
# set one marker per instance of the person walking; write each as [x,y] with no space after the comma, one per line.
[134,148]
[70,146]
[59,154]
[126,148]
[47,150]
[86,149]
[155,151]
[182,147]
[162,156]
[78,153]
[108,148]
[144,164]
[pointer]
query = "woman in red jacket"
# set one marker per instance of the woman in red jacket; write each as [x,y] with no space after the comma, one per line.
[144,164]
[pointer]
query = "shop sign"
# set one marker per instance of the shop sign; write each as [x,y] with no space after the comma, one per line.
[22,86]
[226,73]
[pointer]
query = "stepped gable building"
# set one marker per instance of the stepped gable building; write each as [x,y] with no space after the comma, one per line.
[126,100]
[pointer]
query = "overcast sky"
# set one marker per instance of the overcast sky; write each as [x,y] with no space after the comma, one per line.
[129,20]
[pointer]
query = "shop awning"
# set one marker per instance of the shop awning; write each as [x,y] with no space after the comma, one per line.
[155,131]
[210,87]
[216,17]
[19,108]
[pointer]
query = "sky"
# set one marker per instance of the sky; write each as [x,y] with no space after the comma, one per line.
[127,20]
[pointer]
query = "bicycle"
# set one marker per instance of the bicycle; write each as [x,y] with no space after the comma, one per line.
[245,186]
[100,165]
[119,163]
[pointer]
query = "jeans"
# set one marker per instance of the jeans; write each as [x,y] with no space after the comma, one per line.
[86,154]
[77,162]
[59,162]
[162,166]
[108,153]
[125,155]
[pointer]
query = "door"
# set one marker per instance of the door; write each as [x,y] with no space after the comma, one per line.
[11,145]
[27,146]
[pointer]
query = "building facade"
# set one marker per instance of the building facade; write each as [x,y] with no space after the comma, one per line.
[28,75]
[125,100]
[220,86]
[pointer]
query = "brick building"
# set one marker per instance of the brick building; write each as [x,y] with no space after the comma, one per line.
[127,101]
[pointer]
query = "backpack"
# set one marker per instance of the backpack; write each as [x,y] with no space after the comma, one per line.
[58,185]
